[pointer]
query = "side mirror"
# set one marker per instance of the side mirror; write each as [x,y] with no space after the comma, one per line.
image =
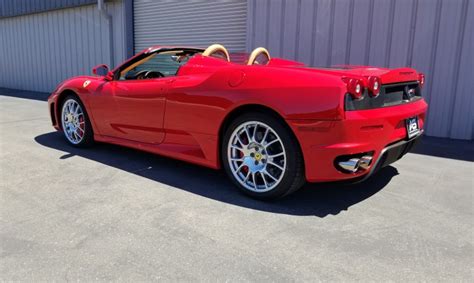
[102,70]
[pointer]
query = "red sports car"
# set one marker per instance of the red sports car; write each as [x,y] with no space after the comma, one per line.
[272,124]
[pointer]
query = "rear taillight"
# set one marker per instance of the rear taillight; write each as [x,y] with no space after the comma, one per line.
[421,79]
[373,86]
[355,87]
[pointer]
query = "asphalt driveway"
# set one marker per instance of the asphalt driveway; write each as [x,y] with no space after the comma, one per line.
[111,213]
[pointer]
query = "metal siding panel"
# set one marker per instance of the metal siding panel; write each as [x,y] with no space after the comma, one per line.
[63,42]
[35,63]
[298,29]
[274,26]
[260,27]
[12,8]
[423,42]
[46,38]
[79,38]
[31,59]
[191,23]
[340,31]
[388,45]
[98,54]
[42,42]
[441,96]
[30,56]
[64,49]
[58,67]
[22,58]
[463,108]
[322,33]
[359,32]
[74,30]
[282,27]
[414,14]
[305,38]
[4,48]
[290,29]
[42,4]
[314,34]
[96,40]
[401,34]
[12,40]
[16,41]
[127,7]
[88,44]
[119,33]
[250,24]
[380,28]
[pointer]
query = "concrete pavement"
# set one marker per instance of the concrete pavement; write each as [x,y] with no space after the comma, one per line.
[111,213]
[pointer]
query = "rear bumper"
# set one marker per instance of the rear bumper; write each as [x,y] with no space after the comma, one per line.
[392,153]
[365,131]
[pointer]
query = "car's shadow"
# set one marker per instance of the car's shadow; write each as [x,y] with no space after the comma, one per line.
[314,199]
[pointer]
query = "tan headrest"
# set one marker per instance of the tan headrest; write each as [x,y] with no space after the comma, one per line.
[255,53]
[216,48]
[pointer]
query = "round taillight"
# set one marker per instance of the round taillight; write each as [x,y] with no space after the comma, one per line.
[421,79]
[355,88]
[374,86]
[358,88]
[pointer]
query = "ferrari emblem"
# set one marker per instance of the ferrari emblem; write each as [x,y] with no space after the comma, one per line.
[86,83]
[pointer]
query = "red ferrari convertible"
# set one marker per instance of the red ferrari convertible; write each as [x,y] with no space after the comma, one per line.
[272,124]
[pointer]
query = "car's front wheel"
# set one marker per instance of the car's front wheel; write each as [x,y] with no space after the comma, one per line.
[75,122]
[262,157]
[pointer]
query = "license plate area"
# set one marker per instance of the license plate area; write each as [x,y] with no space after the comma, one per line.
[412,126]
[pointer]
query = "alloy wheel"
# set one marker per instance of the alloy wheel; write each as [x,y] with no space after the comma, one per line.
[256,156]
[73,121]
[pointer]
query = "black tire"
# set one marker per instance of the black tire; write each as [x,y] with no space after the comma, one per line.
[88,136]
[293,175]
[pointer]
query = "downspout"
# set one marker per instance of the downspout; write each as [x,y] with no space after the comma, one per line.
[108,18]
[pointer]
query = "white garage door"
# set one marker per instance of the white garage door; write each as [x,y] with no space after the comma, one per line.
[190,23]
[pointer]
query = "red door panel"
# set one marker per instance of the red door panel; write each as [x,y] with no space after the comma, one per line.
[132,110]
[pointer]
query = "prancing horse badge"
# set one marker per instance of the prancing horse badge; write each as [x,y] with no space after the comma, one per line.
[86,83]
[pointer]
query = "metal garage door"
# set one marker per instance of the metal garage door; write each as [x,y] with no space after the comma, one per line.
[192,23]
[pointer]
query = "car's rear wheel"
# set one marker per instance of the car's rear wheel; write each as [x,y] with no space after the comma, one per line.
[75,122]
[262,157]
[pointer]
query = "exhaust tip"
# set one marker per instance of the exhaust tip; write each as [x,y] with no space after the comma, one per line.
[351,165]
[365,162]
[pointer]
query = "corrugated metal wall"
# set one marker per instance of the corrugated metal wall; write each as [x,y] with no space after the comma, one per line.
[10,8]
[38,51]
[190,23]
[433,36]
